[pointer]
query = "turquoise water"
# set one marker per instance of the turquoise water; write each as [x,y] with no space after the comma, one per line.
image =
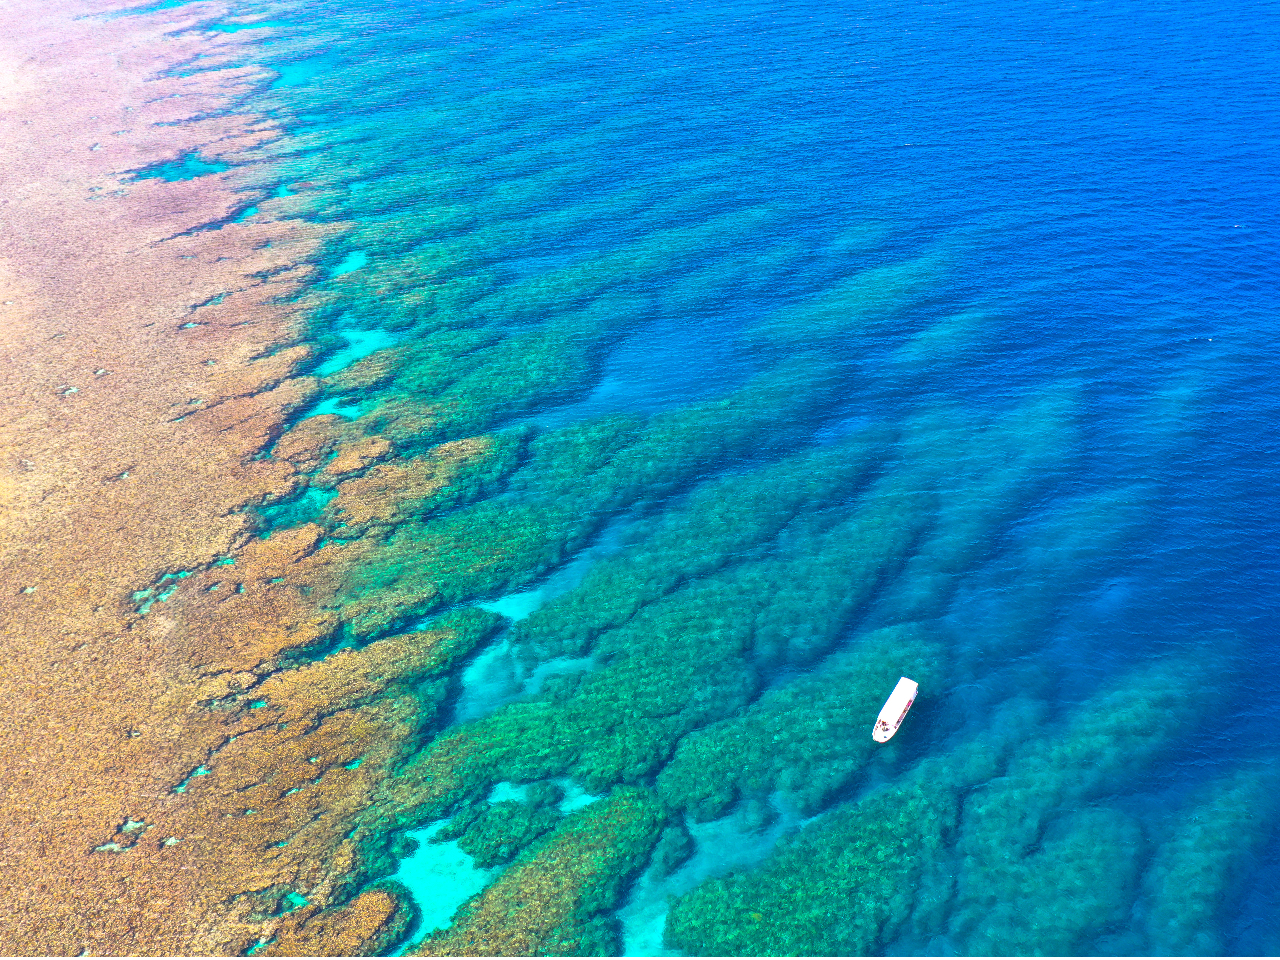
[441,877]
[822,343]
[184,168]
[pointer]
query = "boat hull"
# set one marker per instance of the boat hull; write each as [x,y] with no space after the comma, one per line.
[894,710]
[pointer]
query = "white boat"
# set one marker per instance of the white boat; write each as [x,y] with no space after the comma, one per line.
[894,710]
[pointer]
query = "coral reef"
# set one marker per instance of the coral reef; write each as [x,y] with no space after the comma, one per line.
[996,811]
[554,900]
[1199,867]
[493,833]
[253,521]
[727,517]
[191,782]
[835,888]
[808,739]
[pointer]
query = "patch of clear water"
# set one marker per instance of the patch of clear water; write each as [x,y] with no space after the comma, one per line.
[440,877]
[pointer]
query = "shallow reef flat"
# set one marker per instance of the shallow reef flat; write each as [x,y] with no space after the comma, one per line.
[147,359]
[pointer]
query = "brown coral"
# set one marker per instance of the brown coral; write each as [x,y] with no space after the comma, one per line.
[154,801]
[390,492]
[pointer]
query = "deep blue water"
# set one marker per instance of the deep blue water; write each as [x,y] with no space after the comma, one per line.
[1038,244]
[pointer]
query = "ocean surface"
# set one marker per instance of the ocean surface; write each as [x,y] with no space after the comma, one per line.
[817,344]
